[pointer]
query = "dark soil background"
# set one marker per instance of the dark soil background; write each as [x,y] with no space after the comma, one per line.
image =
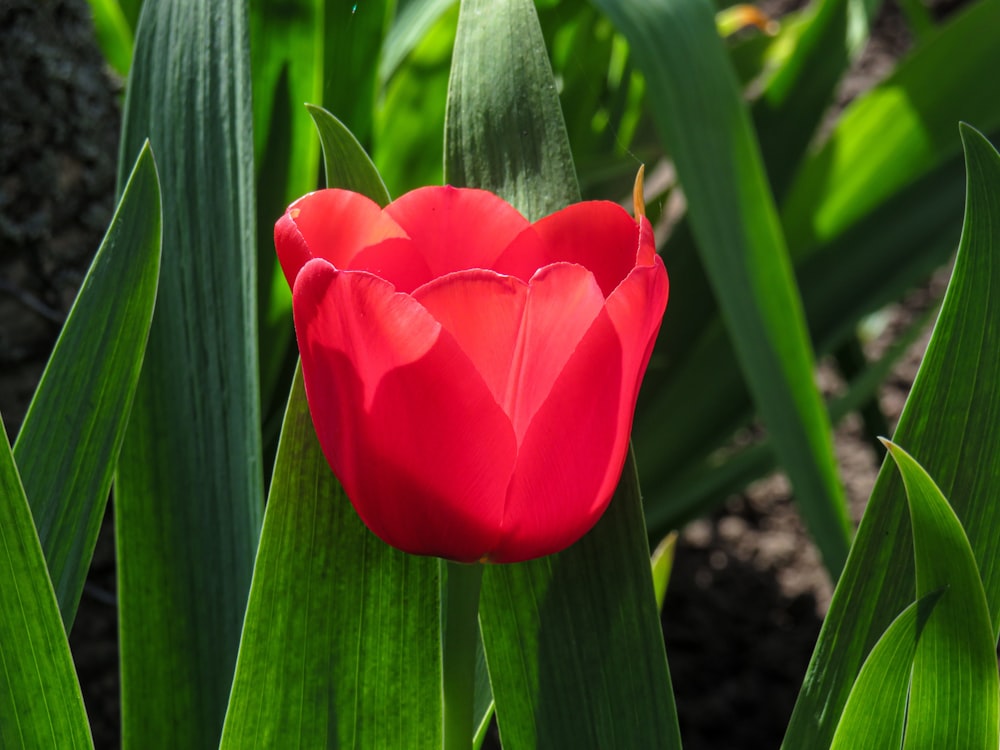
[747,593]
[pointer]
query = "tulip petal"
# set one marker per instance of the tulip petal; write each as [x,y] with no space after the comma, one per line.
[563,302]
[576,441]
[519,336]
[330,224]
[598,235]
[571,457]
[456,229]
[484,311]
[636,310]
[405,421]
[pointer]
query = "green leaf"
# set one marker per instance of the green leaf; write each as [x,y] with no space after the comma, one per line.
[72,434]
[503,116]
[573,641]
[114,34]
[948,420]
[704,123]
[40,702]
[574,645]
[875,713]
[341,645]
[189,495]
[955,693]
[353,44]
[347,165]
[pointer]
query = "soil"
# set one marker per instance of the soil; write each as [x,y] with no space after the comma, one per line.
[747,593]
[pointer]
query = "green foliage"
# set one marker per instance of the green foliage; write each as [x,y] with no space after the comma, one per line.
[87,389]
[40,701]
[189,494]
[955,689]
[341,644]
[952,409]
[780,242]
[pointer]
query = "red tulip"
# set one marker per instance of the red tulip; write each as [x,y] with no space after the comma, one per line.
[472,376]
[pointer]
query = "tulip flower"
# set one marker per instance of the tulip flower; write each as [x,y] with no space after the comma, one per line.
[472,376]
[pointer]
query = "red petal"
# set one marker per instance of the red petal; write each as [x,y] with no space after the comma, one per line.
[484,312]
[456,229]
[518,336]
[571,455]
[408,426]
[563,302]
[636,310]
[330,224]
[598,235]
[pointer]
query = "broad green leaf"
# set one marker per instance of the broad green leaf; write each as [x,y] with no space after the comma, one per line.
[114,34]
[40,702]
[708,131]
[955,693]
[341,644]
[573,641]
[574,644]
[948,421]
[875,713]
[189,494]
[286,46]
[503,116]
[911,116]
[69,443]
[347,164]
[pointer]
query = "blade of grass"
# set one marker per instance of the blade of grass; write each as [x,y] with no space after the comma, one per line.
[71,437]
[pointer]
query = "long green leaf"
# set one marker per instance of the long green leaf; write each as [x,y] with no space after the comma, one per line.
[40,702]
[573,642]
[949,419]
[504,129]
[69,443]
[189,497]
[341,645]
[707,128]
[955,693]
[875,713]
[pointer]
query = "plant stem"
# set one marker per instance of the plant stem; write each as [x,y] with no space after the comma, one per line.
[461,632]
